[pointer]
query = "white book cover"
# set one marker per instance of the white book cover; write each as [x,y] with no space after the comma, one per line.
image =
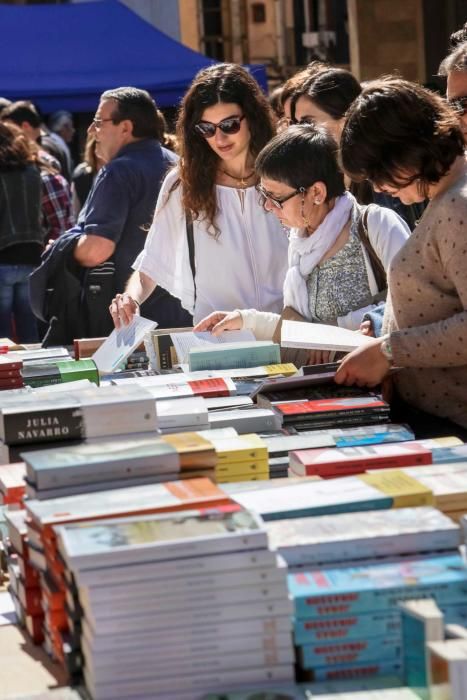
[184,342]
[246,420]
[174,413]
[318,336]
[334,538]
[121,343]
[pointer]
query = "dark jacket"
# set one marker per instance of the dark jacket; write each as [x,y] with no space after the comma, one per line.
[72,300]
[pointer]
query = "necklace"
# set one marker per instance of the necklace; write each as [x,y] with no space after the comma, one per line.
[242,181]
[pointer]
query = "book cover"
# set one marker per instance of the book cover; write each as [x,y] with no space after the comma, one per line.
[241,448]
[159,536]
[246,420]
[403,489]
[118,458]
[319,336]
[378,623]
[12,482]
[360,405]
[338,538]
[151,498]
[421,622]
[330,462]
[327,592]
[334,653]
[228,356]
[121,343]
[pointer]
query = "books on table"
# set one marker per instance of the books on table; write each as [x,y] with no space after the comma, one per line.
[333,412]
[172,634]
[318,336]
[121,343]
[186,341]
[234,355]
[332,539]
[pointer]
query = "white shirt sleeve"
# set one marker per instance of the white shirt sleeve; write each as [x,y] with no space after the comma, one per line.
[261,323]
[165,257]
[387,233]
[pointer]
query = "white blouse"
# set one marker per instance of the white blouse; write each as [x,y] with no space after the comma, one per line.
[244,267]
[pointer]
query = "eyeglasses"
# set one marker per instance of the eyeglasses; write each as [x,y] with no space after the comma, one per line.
[231,125]
[459,104]
[278,202]
[97,123]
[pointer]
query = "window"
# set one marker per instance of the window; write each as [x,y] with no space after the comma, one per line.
[258,11]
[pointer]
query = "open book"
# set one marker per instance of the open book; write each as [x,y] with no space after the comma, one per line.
[318,336]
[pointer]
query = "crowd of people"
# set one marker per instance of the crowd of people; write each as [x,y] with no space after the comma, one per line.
[339,203]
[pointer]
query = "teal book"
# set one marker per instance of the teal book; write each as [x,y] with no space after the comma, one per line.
[347,627]
[448,455]
[371,435]
[360,670]
[234,355]
[387,648]
[331,592]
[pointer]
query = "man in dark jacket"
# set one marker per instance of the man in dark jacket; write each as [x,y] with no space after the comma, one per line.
[121,203]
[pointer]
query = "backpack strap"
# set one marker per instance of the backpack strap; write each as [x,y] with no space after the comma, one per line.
[191,248]
[376,265]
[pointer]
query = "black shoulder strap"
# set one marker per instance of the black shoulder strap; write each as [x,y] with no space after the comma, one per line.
[191,247]
[376,264]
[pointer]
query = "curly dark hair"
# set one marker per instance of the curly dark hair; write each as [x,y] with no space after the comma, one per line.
[198,165]
[397,131]
[15,153]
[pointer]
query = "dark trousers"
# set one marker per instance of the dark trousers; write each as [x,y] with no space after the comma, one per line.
[424,425]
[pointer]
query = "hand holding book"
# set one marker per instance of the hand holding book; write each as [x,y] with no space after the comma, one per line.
[122,309]
[220,321]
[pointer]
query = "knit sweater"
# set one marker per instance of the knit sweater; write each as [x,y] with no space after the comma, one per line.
[426,313]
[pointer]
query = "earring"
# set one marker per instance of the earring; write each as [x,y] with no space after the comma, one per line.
[305,219]
[317,201]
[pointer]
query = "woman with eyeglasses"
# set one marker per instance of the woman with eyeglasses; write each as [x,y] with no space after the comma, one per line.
[332,275]
[407,141]
[211,244]
[454,67]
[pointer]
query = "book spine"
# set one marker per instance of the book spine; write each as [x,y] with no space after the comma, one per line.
[337,468]
[45,425]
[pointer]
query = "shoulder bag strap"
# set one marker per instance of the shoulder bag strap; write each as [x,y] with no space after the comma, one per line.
[376,264]
[191,248]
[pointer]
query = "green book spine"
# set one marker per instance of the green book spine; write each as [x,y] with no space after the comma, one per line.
[231,358]
[72,370]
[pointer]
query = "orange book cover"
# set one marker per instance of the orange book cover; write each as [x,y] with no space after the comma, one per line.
[193,450]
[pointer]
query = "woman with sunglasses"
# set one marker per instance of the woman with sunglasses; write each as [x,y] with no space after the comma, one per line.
[211,244]
[408,142]
[330,277]
[454,67]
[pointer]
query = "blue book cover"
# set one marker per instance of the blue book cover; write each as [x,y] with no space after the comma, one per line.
[358,670]
[447,455]
[332,592]
[382,622]
[387,648]
[372,435]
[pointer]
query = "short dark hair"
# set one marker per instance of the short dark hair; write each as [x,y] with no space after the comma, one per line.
[57,119]
[300,156]
[456,60]
[397,129]
[137,106]
[332,90]
[22,111]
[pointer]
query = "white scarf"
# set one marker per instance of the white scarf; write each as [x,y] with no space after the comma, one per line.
[305,252]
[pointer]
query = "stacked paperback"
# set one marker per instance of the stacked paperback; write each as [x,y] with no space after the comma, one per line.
[175,606]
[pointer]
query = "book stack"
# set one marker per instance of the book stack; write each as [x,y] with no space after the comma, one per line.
[334,540]
[240,458]
[421,622]
[357,607]
[119,462]
[24,578]
[333,412]
[30,418]
[42,544]
[175,606]
[448,483]
[303,497]
[10,372]
[36,374]
[12,485]
[280,445]
[329,463]
[183,414]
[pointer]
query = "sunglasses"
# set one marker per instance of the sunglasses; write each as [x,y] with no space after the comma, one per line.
[459,104]
[278,202]
[231,125]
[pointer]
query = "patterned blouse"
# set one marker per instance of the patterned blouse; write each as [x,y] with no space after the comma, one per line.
[340,284]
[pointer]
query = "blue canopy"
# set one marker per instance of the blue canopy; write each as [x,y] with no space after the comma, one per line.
[65,56]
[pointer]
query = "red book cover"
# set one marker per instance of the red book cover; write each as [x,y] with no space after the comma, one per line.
[6,373]
[11,383]
[9,361]
[215,386]
[333,461]
[295,408]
